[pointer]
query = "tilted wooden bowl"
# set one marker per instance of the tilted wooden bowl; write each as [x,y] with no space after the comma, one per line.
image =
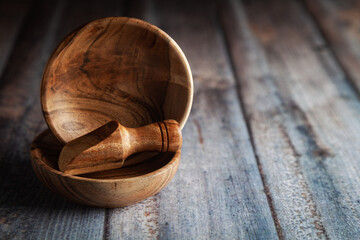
[113,188]
[120,69]
[115,68]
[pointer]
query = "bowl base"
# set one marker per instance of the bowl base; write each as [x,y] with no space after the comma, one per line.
[112,188]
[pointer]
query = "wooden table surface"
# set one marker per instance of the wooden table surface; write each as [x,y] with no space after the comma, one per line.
[272,145]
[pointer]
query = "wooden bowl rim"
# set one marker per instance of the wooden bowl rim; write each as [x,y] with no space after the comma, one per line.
[39,162]
[128,20]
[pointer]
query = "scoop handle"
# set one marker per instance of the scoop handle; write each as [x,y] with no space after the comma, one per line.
[164,136]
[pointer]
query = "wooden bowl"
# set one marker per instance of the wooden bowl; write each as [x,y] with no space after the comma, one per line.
[115,68]
[115,188]
[120,69]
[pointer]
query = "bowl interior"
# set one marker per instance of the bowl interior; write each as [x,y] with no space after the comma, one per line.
[116,68]
[48,147]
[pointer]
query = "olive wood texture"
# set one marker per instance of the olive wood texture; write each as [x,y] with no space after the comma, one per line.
[108,146]
[115,68]
[113,188]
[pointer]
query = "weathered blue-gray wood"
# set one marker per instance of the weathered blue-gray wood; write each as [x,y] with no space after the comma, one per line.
[217,192]
[301,109]
[303,115]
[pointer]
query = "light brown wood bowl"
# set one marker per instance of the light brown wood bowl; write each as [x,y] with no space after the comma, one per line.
[120,69]
[115,68]
[113,188]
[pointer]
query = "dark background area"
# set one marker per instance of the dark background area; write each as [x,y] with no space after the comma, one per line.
[272,145]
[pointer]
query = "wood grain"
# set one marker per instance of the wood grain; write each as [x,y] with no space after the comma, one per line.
[339,22]
[302,126]
[115,68]
[107,147]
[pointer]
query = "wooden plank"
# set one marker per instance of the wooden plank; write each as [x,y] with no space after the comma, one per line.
[303,116]
[339,23]
[217,192]
[12,14]
[28,209]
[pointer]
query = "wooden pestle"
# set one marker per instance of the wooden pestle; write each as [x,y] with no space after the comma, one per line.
[108,146]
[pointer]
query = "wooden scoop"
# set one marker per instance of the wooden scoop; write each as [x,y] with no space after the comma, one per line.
[108,146]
